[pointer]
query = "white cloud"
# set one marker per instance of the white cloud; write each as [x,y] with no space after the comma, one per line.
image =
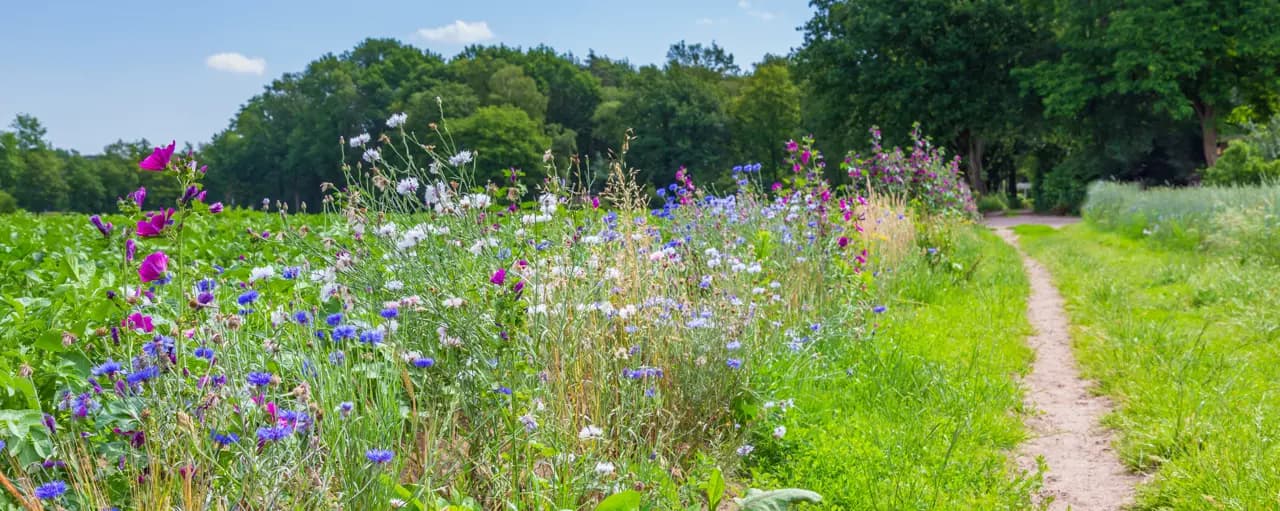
[458,32]
[236,63]
[706,21]
[755,12]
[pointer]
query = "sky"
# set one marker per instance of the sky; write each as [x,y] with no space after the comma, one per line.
[97,71]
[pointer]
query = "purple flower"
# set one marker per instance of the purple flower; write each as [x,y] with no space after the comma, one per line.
[733,363]
[273,434]
[155,223]
[499,277]
[333,319]
[423,362]
[107,368]
[215,208]
[204,352]
[379,456]
[51,490]
[879,309]
[159,158]
[389,312]
[130,248]
[104,228]
[224,439]
[247,297]
[258,379]
[371,336]
[153,267]
[344,332]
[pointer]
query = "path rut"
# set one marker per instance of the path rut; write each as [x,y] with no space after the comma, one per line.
[1083,470]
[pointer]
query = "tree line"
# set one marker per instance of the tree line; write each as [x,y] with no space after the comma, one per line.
[1056,93]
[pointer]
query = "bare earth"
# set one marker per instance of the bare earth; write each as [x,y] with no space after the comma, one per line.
[1083,471]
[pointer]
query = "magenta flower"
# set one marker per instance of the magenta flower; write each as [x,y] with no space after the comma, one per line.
[498,277]
[215,208]
[153,267]
[104,228]
[159,159]
[139,196]
[154,224]
[843,242]
[130,248]
[792,146]
[138,321]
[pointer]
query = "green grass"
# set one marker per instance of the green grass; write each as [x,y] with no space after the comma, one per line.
[922,413]
[1185,343]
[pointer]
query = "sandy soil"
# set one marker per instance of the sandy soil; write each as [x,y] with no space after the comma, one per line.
[1083,471]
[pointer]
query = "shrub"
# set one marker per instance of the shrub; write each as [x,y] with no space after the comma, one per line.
[1243,163]
[923,177]
[8,204]
[992,203]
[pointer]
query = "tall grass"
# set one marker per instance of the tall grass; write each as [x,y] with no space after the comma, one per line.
[1243,221]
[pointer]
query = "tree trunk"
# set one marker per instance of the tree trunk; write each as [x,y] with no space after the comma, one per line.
[1208,132]
[974,157]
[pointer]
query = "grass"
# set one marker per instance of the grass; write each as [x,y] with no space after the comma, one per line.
[920,414]
[1185,343]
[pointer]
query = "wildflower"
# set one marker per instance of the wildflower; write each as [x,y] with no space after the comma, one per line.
[130,248]
[344,332]
[530,424]
[247,297]
[224,439]
[734,363]
[155,223]
[153,267]
[337,357]
[258,379]
[290,272]
[779,432]
[371,155]
[379,456]
[104,228]
[215,208]
[108,368]
[274,433]
[301,317]
[389,313]
[879,309]
[394,285]
[604,468]
[423,362]
[139,196]
[453,302]
[499,277]
[397,120]
[590,433]
[745,449]
[204,352]
[137,377]
[732,345]
[261,273]
[159,159]
[407,186]
[334,319]
[460,159]
[52,490]
[371,336]
[359,140]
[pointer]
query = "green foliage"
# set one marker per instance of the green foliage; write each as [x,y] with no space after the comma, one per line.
[502,137]
[622,501]
[776,500]
[991,203]
[1242,164]
[1183,342]
[766,112]
[8,204]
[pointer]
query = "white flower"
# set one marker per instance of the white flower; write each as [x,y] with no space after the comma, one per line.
[476,200]
[261,273]
[547,156]
[394,285]
[397,503]
[779,432]
[359,140]
[328,290]
[397,120]
[371,155]
[590,433]
[604,468]
[548,203]
[746,449]
[453,302]
[460,159]
[407,186]
[386,230]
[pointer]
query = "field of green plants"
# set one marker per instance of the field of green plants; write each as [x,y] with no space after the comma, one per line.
[1177,315]
[429,342]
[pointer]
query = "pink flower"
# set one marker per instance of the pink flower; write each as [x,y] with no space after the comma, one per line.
[498,277]
[138,321]
[153,267]
[843,242]
[159,159]
[215,208]
[792,146]
[804,157]
[139,196]
[154,224]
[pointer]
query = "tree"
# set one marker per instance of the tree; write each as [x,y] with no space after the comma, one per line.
[502,137]
[510,86]
[679,120]
[765,114]
[945,64]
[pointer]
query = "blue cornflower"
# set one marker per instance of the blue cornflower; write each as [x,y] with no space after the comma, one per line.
[206,285]
[334,319]
[879,309]
[258,379]
[371,336]
[143,375]
[506,391]
[379,456]
[247,297]
[273,434]
[291,272]
[732,345]
[108,368]
[224,439]
[733,363]
[301,317]
[337,357]
[423,362]
[344,332]
[389,312]
[51,490]
[204,352]
[706,282]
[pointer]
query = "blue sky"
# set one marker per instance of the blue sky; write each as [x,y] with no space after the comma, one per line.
[97,71]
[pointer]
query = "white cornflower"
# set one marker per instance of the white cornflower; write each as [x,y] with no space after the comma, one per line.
[453,302]
[460,159]
[779,432]
[604,468]
[261,273]
[359,140]
[394,285]
[746,449]
[547,156]
[590,433]
[397,120]
[407,186]
[386,230]
[476,200]
[371,155]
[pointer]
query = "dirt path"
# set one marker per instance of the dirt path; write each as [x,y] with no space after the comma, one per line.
[1083,471]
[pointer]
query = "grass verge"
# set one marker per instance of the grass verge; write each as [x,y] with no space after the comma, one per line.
[1185,343]
[922,413]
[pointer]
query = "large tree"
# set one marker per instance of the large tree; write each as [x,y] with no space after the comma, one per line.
[943,63]
[765,114]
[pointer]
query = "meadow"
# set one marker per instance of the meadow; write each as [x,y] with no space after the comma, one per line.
[430,342]
[1172,297]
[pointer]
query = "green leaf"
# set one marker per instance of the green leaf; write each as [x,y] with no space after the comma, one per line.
[624,501]
[715,489]
[775,500]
